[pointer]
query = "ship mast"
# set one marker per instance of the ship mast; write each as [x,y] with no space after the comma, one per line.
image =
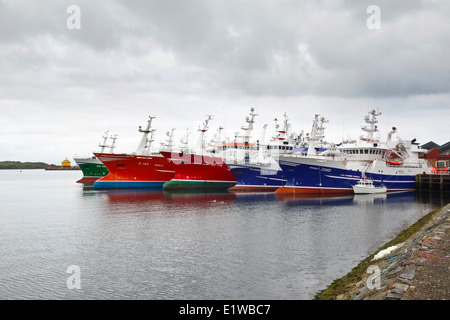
[321,130]
[313,137]
[261,144]
[283,133]
[201,143]
[143,148]
[214,143]
[112,146]
[263,135]
[149,142]
[184,142]
[104,145]
[168,145]
[317,134]
[249,128]
[371,121]
[248,133]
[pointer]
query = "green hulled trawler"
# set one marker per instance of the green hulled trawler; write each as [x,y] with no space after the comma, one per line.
[92,167]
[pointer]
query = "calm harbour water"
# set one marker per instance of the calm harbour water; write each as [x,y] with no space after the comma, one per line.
[141,244]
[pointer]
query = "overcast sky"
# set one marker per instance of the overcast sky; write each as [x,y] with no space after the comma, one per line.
[179,60]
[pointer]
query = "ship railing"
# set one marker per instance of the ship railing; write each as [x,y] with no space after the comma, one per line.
[440,170]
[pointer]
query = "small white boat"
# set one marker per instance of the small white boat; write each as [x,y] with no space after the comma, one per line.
[366,186]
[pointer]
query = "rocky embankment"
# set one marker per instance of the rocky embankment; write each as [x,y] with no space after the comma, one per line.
[413,266]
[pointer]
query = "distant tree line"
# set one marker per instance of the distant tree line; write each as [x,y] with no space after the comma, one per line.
[24,165]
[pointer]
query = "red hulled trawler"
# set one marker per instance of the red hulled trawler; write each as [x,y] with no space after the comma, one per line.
[199,169]
[141,169]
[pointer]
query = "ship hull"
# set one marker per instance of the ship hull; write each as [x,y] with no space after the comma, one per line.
[134,171]
[198,172]
[254,177]
[312,176]
[92,169]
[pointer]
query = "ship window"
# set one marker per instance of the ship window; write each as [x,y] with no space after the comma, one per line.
[366,151]
[120,165]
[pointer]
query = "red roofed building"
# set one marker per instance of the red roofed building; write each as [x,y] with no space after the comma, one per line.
[438,156]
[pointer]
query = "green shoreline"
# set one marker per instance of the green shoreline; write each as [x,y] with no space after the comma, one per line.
[347,286]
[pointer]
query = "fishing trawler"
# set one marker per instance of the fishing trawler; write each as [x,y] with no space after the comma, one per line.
[141,169]
[261,172]
[92,167]
[198,169]
[390,163]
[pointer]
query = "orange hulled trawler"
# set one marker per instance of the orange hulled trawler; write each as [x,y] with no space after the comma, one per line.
[141,169]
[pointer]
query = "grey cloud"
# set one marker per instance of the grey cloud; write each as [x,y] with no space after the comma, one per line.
[240,42]
[256,48]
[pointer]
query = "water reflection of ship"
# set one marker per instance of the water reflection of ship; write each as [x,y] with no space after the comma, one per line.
[253,196]
[199,196]
[365,199]
[313,199]
[391,197]
[135,196]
